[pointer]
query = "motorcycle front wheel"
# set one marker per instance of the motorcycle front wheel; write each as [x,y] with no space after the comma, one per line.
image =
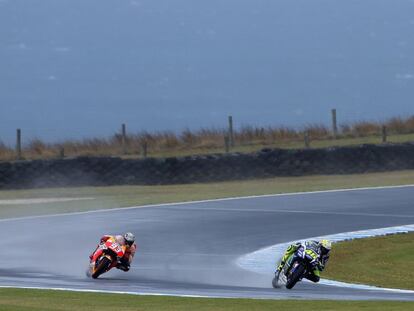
[103,265]
[295,276]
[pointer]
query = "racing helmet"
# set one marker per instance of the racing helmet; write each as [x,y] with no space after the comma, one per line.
[326,246]
[129,238]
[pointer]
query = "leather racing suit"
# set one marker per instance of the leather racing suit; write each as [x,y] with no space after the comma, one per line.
[314,248]
[125,262]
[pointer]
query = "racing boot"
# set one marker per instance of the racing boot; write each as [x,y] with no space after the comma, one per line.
[123,264]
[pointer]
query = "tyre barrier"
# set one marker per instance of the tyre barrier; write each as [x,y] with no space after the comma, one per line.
[105,171]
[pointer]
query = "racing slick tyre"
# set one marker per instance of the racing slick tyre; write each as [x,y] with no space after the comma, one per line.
[103,265]
[295,276]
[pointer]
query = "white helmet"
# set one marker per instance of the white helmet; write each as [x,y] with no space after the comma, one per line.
[129,238]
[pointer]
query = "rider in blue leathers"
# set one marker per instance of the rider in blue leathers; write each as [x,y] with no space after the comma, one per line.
[318,249]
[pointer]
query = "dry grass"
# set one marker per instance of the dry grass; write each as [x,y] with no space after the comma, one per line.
[5,151]
[211,140]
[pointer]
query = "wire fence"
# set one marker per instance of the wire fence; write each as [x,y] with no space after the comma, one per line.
[205,140]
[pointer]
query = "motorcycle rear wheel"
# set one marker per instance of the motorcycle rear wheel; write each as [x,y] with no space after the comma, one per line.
[103,265]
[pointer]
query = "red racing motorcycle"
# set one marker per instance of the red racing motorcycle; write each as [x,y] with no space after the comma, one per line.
[105,257]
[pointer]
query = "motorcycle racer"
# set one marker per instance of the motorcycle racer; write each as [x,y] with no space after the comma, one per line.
[127,240]
[320,250]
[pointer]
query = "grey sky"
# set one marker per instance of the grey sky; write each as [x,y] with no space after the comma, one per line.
[76,68]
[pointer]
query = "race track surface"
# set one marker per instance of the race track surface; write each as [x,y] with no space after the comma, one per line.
[191,249]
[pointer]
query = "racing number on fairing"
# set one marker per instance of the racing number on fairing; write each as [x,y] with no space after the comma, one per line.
[116,247]
[311,253]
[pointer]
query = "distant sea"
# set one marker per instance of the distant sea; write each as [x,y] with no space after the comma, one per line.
[81,68]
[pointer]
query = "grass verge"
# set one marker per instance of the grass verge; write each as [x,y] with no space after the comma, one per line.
[121,196]
[43,300]
[382,261]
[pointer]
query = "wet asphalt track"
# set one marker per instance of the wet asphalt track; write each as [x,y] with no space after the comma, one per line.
[190,249]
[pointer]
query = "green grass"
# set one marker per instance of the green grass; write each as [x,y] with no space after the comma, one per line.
[382,261]
[121,196]
[42,300]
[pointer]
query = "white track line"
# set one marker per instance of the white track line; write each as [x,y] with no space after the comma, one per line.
[207,201]
[97,291]
[250,210]
[41,200]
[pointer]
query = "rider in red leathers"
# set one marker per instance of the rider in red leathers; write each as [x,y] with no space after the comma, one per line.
[127,240]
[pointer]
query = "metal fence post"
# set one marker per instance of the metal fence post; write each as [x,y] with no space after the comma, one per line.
[307,141]
[226,143]
[124,147]
[144,149]
[19,144]
[231,136]
[384,134]
[334,124]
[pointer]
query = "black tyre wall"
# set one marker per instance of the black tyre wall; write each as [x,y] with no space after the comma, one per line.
[96,171]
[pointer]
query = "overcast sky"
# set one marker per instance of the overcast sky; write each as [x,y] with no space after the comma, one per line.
[80,68]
